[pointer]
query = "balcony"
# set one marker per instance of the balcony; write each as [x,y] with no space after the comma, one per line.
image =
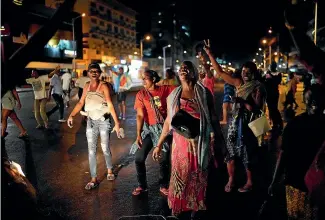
[122,22]
[95,36]
[93,12]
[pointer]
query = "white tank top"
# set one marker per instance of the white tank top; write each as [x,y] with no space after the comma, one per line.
[95,104]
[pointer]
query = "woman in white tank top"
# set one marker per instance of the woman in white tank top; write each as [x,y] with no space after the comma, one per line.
[98,108]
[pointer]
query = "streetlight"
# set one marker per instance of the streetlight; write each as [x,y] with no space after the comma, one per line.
[185,51]
[264,41]
[159,57]
[229,64]
[256,54]
[164,58]
[275,53]
[260,49]
[254,60]
[74,41]
[141,45]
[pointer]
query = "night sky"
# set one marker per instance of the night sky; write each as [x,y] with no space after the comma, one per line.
[234,27]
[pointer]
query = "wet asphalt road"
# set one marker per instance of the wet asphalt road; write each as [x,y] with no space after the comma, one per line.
[56,163]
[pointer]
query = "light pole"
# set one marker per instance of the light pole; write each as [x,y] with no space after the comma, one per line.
[264,54]
[74,41]
[141,45]
[315,29]
[164,58]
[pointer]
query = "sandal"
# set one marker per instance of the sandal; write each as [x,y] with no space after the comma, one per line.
[111,176]
[137,191]
[23,135]
[245,189]
[164,191]
[39,126]
[91,185]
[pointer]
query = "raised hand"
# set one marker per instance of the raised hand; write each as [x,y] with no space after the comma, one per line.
[207,46]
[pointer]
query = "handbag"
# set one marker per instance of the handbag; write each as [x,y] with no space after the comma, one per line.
[185,124]
[260,125]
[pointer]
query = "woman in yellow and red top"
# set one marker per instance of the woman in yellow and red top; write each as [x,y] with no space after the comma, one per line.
[151,107]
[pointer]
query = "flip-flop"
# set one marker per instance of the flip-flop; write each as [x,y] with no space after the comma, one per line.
[245,189]
[111,176]
[91,185]
[24,135]
[164,191]
[137,191]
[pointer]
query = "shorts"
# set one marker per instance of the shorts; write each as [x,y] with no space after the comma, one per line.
[121,97]
[227,99]
[8,101]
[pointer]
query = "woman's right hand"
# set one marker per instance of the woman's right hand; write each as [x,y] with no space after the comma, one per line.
[70,122]
[156,154]
[139,141]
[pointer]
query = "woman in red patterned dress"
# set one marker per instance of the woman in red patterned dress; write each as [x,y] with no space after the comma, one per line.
[190,158]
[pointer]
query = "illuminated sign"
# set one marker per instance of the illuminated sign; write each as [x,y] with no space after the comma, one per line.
[70,53]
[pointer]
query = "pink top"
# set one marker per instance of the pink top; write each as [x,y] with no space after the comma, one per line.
[209,83]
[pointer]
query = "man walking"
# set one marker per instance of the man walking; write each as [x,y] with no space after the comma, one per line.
[66,85]
[38,83]
[56,91]
[122,83]
[272,81]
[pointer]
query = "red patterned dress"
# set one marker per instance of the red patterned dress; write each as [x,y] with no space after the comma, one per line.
[188,183]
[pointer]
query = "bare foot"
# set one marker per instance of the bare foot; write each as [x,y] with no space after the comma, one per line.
[229,186]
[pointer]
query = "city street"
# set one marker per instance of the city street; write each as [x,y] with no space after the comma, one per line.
[56,162]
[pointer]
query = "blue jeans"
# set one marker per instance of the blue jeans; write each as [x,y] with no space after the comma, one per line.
[95,128]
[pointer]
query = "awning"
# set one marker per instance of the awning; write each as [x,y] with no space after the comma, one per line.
[44,65]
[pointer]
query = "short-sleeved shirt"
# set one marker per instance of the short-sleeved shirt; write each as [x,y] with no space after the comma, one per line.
[81,82]
[302,139]
[38,85]
[66,81]
[160,94]
[55,82]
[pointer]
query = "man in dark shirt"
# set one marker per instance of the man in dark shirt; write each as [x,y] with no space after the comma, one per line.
[271,81]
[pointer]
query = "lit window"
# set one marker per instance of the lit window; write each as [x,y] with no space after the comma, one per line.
[160,34]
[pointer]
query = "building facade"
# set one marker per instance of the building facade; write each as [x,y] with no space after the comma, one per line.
[169,26]
[109,31]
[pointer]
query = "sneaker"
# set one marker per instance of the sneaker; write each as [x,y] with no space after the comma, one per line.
[62,120]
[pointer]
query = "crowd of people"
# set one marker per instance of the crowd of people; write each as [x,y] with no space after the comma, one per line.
[176,118]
